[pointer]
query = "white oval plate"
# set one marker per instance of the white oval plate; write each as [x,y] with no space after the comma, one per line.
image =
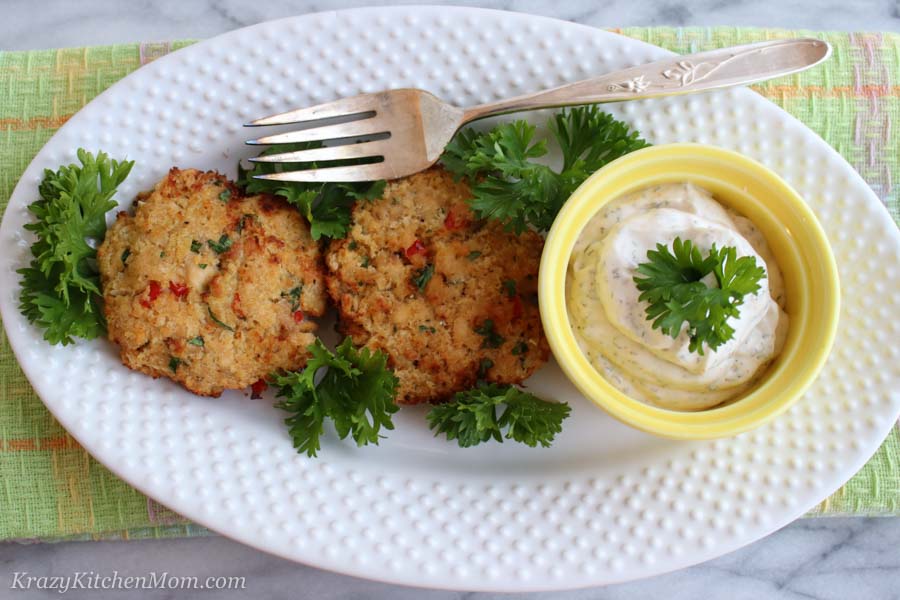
[606,503]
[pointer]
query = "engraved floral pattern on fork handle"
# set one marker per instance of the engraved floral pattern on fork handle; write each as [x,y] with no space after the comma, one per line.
[685,72]
[637,85]
[682,74]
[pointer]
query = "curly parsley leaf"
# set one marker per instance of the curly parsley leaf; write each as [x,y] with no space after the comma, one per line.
[61,287]
[352,387]
[589,139]
[483,412]
[508,185]
[326,206]
[671,283]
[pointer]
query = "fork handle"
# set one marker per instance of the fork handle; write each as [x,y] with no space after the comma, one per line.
[698,72]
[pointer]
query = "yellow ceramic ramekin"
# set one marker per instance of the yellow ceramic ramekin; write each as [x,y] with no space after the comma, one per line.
[794,235]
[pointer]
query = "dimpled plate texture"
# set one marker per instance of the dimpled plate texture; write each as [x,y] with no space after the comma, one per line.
[605,503]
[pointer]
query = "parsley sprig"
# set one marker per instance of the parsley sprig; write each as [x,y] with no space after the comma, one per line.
[326,206]
[508,185]
[672,288]
[483,412]
[352,387]
[61,287]
[355,389]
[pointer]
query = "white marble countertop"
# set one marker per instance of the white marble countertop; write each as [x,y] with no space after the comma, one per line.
[836,558]
[811,558]
[57,23]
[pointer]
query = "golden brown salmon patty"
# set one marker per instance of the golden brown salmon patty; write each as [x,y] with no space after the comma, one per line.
[447,297]
[208,287]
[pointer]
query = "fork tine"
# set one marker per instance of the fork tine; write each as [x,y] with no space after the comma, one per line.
[343,107]
[329,132]
[362,150]
[371,172]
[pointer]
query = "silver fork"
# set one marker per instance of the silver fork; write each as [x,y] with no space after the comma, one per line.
[407,129]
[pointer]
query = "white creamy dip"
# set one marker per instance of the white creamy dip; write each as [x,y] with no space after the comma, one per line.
[611,325]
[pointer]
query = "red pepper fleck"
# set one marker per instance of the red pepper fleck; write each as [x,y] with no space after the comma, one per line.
[453,222]
[155,290]
[152,294]
[298,316]
[179,289]
[517,307]
[417,247]
[257,388]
